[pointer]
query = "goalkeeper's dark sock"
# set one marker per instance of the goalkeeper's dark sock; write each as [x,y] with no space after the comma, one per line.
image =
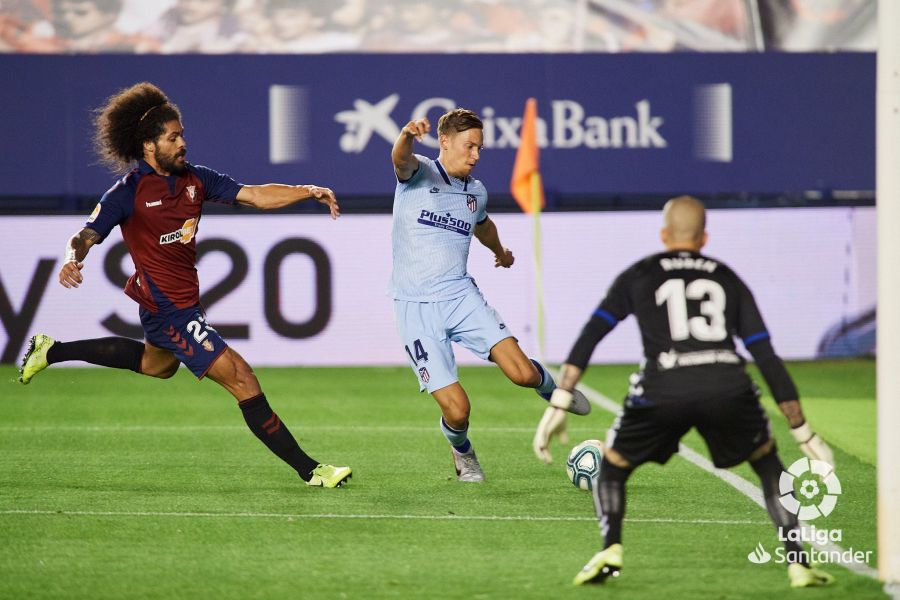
[115,352]
[609,501]
[769,469]
[267,426]
[547,385]
[458,438]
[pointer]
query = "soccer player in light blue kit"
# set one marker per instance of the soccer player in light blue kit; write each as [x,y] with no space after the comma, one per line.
[438,207]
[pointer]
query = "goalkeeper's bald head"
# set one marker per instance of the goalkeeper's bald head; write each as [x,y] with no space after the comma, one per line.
[684,224]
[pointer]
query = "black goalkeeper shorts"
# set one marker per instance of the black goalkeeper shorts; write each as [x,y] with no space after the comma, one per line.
[732,427]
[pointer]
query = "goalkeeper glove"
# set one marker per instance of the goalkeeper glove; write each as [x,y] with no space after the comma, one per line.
[561,398]
[552,423]
[812,445]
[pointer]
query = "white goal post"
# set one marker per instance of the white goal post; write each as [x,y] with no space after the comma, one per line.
[888,327]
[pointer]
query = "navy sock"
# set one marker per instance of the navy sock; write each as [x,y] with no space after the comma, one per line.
[459,439]
[769,469]
[115,352]
[547,385]
[609,501]
[267,426]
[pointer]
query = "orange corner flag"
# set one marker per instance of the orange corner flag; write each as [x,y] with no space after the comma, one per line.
[525,184]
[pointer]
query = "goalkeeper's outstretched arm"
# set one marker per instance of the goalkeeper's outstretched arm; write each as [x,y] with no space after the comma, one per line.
[553,421]
[785,393]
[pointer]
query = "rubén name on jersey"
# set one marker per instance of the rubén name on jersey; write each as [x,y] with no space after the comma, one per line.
[689,262]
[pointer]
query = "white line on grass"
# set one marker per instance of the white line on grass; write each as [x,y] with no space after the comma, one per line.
[249,515]
[300,427]
[736,481]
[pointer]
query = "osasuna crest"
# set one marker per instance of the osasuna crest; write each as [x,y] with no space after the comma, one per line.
[472,202]
[208,346]
[423,375]
[192,191]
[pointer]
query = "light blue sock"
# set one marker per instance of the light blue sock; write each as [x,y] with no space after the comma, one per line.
[547,384]
[458,438]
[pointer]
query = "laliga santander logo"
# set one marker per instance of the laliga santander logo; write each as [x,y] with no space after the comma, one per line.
[818,489]
[759,555]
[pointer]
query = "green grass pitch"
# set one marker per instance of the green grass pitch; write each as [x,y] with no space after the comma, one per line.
[114,486]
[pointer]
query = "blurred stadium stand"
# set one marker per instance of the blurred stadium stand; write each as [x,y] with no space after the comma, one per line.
[317,26]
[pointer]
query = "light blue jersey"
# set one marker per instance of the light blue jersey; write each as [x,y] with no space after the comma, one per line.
[434,219]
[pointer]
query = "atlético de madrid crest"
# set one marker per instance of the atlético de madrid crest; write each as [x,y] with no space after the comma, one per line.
[472,202]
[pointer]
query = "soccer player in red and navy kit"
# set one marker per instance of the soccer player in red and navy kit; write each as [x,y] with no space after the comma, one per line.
[158,205]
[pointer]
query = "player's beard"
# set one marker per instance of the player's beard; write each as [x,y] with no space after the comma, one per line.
[169,163]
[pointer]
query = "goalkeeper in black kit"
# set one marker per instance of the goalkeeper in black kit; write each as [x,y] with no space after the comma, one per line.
[689,307]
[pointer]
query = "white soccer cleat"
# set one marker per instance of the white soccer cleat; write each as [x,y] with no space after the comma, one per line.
[467,467]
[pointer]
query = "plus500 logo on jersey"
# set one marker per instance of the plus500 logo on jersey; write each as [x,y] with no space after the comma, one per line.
[445,221]
[183,235]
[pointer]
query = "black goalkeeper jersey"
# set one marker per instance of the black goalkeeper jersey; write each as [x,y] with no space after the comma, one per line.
[689,307]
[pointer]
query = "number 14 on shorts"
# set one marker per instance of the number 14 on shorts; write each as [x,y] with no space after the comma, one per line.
[418,353]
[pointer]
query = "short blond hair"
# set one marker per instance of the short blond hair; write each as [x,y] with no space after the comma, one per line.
[457,121]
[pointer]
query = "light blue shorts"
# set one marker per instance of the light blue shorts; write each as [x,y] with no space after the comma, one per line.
[427,328]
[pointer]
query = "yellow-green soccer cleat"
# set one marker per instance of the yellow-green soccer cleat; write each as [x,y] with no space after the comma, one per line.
[329,476]
[35,359]
[606,563]
[801,576]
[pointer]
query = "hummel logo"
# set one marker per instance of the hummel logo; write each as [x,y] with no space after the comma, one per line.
[151,204]
[434,190]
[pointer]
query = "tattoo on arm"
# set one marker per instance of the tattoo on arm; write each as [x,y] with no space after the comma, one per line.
[792,411]
[80,243]
[569,377]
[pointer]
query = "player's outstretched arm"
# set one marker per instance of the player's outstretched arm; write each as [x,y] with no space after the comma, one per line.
[76,250]
[785,393]
[553,421]
[405,162]
[757,341]
[487,234]
[272,196]
[811,443]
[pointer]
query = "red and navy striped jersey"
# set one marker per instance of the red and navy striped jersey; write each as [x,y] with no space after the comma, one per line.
[158,216]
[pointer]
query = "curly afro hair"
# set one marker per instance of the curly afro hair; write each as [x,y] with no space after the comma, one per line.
[129,118]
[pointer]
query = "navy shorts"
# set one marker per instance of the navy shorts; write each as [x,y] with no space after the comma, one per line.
[185,333]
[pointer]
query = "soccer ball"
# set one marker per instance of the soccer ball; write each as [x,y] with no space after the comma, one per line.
[583,463]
